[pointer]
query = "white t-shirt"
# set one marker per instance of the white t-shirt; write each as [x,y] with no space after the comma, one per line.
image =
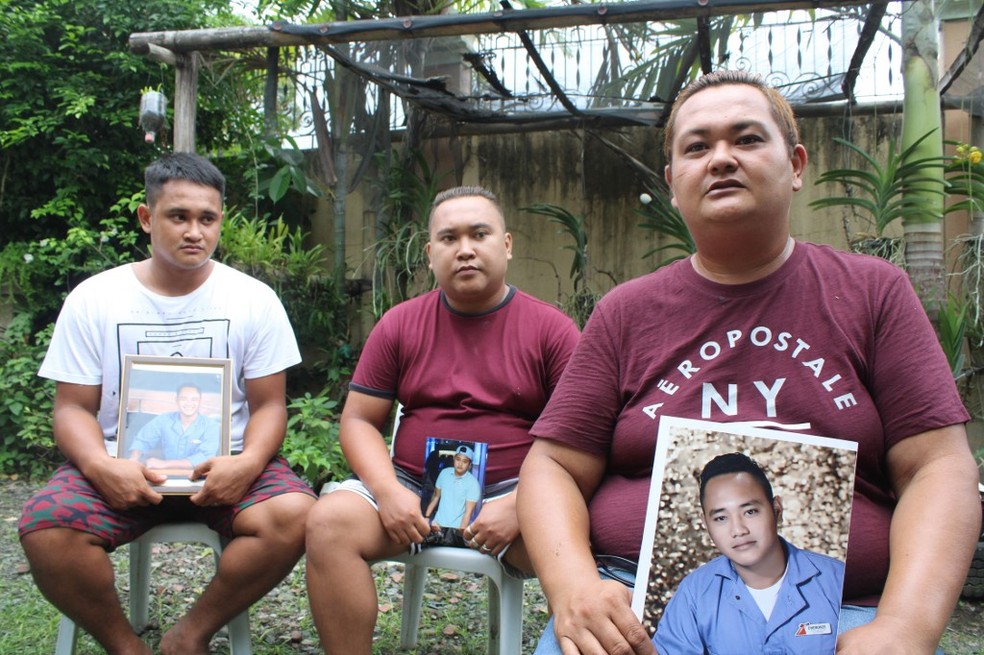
[766,598]
[112,314]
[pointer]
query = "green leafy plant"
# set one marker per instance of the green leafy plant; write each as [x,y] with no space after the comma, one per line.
[27,445]
[879,194]
[312,445]
[662,217]
[399,266]
[952,331]
[581,302]
[277,254]
[290,171]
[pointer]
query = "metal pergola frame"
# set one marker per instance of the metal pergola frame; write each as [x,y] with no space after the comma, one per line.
[180,48]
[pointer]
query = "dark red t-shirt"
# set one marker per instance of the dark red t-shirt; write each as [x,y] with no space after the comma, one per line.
[839,341]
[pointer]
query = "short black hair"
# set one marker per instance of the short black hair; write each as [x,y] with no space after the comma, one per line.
[181,166]
[734,463]
[465,192]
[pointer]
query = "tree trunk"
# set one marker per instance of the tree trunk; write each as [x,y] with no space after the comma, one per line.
[921,114]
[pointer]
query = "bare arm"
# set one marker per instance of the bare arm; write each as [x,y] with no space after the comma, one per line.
[432,505]
[934,529]
[469,510]
[229,477]
[122,482]
[590,615]
[360,434]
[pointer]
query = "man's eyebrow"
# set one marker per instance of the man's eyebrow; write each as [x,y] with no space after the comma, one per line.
[755,502]
[472,226]
[740,126]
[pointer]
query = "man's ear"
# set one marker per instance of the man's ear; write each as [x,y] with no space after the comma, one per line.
[143,215]
[668,176]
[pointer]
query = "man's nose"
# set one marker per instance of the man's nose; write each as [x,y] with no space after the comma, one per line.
[193,230]
[466,248]
[722,158]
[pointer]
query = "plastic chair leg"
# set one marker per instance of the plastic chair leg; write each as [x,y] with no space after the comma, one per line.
[413,599]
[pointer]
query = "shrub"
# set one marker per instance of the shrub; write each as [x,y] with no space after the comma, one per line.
[27,445]
[312,445]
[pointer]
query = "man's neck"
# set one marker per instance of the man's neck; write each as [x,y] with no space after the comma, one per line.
[171,282]
[723,272]
[478,306]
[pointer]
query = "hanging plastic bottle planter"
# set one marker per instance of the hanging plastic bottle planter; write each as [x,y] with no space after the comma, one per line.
[153,113]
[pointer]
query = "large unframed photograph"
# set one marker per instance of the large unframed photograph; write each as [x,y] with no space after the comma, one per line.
[812,476]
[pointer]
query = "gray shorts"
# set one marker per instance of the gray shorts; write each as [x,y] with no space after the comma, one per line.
[490,494]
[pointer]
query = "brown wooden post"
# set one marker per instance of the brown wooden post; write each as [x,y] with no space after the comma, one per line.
[185,93]
[185,101]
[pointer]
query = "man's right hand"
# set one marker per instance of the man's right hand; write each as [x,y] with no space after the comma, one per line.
[399,511]
[125,483]
[598,619]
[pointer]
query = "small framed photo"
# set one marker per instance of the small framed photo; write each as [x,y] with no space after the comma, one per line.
[175,413]
[454,477]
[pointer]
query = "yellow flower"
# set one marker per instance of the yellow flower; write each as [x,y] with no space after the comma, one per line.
[975,156]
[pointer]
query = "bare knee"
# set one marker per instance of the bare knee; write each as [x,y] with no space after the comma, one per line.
[46,548]
[344,525]
[279,519]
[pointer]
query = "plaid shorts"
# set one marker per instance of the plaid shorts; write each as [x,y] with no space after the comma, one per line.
[69,501]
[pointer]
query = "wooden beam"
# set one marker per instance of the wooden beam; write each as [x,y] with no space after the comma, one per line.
[415,27]
[185,102]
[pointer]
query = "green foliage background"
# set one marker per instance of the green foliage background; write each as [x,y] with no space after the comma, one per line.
[71,176]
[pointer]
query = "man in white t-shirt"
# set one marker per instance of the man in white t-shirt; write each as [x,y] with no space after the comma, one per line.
[179,302]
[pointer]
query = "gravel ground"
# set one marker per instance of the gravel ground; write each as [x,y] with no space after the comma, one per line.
[451,623]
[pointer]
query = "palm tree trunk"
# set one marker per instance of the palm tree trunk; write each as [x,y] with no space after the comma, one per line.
[921,114]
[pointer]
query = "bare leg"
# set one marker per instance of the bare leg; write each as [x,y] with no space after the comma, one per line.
[518,557]
[82,586]
[344,535]
[269,541]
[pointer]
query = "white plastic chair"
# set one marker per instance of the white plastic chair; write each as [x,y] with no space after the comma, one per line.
[505,595]
[505,591]
[238,627]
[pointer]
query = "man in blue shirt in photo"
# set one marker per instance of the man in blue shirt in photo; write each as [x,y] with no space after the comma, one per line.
[762,595]
[183,439]
[456,492]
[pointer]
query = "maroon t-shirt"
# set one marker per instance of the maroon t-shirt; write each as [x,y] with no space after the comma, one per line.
[483,377]
[832,339]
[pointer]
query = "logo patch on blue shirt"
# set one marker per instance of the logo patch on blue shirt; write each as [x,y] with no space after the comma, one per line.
[808,629]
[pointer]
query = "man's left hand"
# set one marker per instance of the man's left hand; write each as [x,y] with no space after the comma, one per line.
[227,479]
[496,527]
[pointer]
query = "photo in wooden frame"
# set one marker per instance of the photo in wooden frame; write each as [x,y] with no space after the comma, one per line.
[175,413]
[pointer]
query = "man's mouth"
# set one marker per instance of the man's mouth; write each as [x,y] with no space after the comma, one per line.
[724,185]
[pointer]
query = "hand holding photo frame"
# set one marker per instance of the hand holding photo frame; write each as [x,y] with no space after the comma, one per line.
[175,413]
[812,479]
[454,476]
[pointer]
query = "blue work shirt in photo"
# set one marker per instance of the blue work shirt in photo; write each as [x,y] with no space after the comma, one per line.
[713,612]
[196,443]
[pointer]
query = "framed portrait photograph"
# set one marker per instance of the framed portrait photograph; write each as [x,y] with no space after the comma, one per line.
[743,507]
[175,413]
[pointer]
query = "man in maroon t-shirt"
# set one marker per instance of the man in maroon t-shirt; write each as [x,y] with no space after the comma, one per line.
[755,327]
[473,361]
